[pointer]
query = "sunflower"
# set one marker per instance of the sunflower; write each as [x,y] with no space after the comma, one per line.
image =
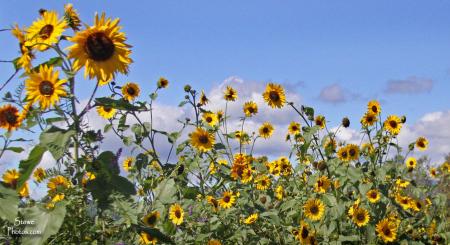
[39,174]
[303,233]
[10,177]
[445,167]
[285,166]
[294,128]
[242,137]
[176,214]
[342,154]
[87,177]
[279,192]
[230,94]
[146,238]
[130,91]
[151,219]
[128,163]
[71,17]
[360,217]
[247,175]
[210,118]
[368,148]
[274,95]
[227,200]
[373,195]
[411,163]
[163,83]
[203,100]
[387,230]
[266,130]
[353,152]
[250,108]
[251,219]
[416,205]
[369,119]
[222,162]
[322,184]
[354,206]
[58,184]
[403,201]
[263,182]
[45,31]
[25,190]
[214,203]
[433,173]
[330,144]
[10,118]
[393,124]
[212,168]
[219,114]
[24,61]
[214,242]
[45,86]
[422,143]
[314,209]
[320,121]
[202,140]
[374,107]
[402,183]
[106,112]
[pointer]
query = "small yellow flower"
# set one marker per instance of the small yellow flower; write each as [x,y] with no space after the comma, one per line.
[411,163]
[393,124]
[320,121]
[374,107]
[266,130]
[176,214]
[130,91]
[210,118]
[128,163]
[230,94]
[250,108]
[360,217]
[227,200]
[422,143]
[202,140]
[151,218]
[39,174]
[251,219]
[387,230]
[373,195]
[279,192]
[263,182]
[294,128]
[10,177]
[322,184]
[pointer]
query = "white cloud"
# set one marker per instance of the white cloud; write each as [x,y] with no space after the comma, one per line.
[333,93]
[410,85]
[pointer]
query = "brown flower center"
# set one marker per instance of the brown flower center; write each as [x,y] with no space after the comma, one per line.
[226,199]
[46,88]
[386,231]
[274,96]
[46,31]
[265,130]
[314,209]
[421,144]
[131,91]
[203,139]
[305,232]
[99,47]
[373,195]
[11,117]
[151,220]
[209,119]
[393,124]
[107,108]
[178,214]
[360,216]
[374,109]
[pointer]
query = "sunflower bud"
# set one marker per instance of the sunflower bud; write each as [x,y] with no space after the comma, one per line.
[180,169]
[186,97]
[403,119]
[187,88]
[345,122]
[42,11]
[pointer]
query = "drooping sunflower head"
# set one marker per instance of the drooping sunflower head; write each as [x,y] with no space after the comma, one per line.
[322,184]
[266,130]
[274,95]
[230,94]
[227,200]
[106,112]
[387,230]
[214,203]
[162,82]
[24,191]
[210,118]
[220,115]
[39,174]
[176,214]
[369,119]
[353,152]
[411,163]
[393,124]
[374,107]
[71,17]
[10,177]
[263,182]
[45,87]
[373,195]
[146,238]
[24,61]
[128,163]
[320,121]
[45,31]
[130,91]
[202,140]
[58,184]
[101,49]
[10,118]
[242,137]
[151,218]
[251,219]
[422,143]
[203,100]
[250,108]
[360,216]
[314,209]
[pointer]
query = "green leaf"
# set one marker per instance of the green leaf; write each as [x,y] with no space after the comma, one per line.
[9,201]
[107,128]
[46,221]
[352,238]
[27,166]
[56,140]
[165,191]
[182,103]
[120,104]
[309,111]
[123,185]
[219,146]
[172,137]
[354,174]
[15,149]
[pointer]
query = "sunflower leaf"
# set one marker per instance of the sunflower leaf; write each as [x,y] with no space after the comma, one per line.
[9,201]
[27,166]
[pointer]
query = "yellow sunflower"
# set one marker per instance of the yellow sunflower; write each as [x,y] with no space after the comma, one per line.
[230,94]
[24,61]
[411,163]
[263,182]
[45,31]
[251,219]
[373,195]
[128,163]
[222,162]
[146,238]
[402,183]
[266,130]
[294,128]
[322,184]
[214,242]
[368,148]
[58,184]
[374,107]
[433,173]
[25,190]
[274,95]
[279,192]
[387,230]
[250,108]
[227,200]
[176,214]
[130,91]
[416,205]
[403,201]
[163,83]
[320,121]
[220,114]
[39,174]
[202,140]
[151,218]
[87,177]
[212,168]
[330,144]
[10,118]
[210,118]
[360,217]
[393,124]
[422,143]
[203,100]
[342,154]
[285,166]
[10,177]
[71,17]
[101,48]
[247,175]
[106,112]
[314,209]
[369,119]
[45,87]
[353,152]
[214,203]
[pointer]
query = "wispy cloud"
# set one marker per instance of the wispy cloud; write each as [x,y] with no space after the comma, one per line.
[410,85]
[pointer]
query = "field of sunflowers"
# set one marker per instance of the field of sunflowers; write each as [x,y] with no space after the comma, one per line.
[211,188]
